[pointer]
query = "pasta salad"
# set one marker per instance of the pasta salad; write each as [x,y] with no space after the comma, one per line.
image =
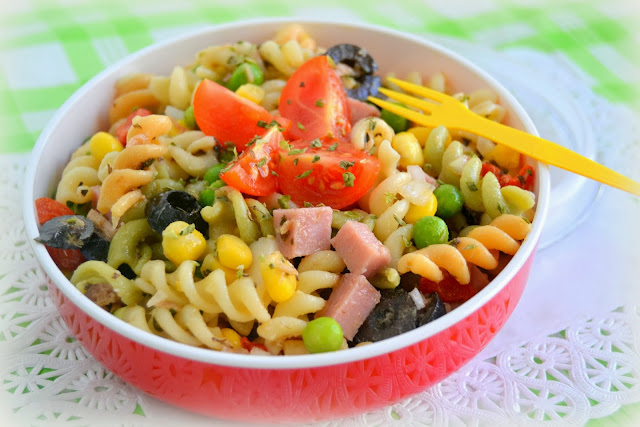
[254,202]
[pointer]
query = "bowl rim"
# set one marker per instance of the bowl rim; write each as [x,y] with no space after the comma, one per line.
[355,354]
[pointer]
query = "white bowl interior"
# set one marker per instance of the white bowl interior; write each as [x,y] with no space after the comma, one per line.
[86,111]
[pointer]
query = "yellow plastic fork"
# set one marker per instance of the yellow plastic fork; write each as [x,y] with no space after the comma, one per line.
[451,113]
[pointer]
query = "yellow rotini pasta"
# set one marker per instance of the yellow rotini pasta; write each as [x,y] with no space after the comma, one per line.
[475,248]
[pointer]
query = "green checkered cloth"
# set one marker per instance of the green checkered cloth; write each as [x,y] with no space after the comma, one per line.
[49,49]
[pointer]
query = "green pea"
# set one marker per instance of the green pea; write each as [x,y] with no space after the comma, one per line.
[189,118]
[397,123]
[213,174]
[322,334]
[247,72]
[450,200]
[430,230]
[207,197]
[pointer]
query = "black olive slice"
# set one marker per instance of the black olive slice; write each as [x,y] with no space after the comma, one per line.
[66,232]
[355,57]
[96,248]
[395,314]
[433,310]
[363,66]
[172,206]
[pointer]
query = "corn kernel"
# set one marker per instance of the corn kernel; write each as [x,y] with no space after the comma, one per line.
[421,133]
[233,252]
[279,277]
[504,156]
[416,212]
[182,242]
[407,145]
[251,92]
[102,143]
[232,336]
[211,263]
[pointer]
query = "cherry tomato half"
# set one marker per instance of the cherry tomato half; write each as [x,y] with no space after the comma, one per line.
[315,101]
[252,173]
[229,117]
[329,172]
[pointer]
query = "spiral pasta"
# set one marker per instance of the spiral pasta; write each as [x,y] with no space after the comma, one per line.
[132,92]
[129,169]
[502,234]
[78,176]
[286,57]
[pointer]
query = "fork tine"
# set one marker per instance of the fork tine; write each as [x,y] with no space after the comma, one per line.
[419,90]
[409,100]
[404,112]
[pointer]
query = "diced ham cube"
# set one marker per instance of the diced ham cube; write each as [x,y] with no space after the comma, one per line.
[350,303]
[303,231]
[360,110]
[360,249]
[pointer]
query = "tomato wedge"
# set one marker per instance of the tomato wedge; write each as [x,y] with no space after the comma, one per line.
[229,117]
[448,289]
[329,172]
[65,259]
[252,173]
[47,209]
[315,101]
[123,129]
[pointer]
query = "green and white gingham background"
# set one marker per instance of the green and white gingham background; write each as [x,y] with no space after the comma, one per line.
[49,48]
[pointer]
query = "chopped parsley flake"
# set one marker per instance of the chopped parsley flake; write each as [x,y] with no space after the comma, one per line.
[187,230]
[316,143]
[262,162]
[284,201]
[296,151]
[472,186]
[275,124]
[344,164]
[315,158]
[390,197]
[240,272]
[399,220]
[319,103]
[262,124]
[274,173]
[295,161]
[300,126]
[349,179]
[333,147]
[304,174]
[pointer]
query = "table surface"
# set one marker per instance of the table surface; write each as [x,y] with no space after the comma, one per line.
[570,354]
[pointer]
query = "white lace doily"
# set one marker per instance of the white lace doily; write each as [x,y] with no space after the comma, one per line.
[574,359]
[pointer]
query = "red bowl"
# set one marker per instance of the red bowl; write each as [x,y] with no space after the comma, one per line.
[292,388]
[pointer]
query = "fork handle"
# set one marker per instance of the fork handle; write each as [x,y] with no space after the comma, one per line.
[550,153]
